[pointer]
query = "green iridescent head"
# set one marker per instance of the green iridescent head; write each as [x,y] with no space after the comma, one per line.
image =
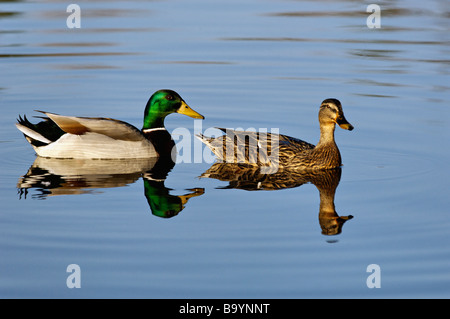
[163,103]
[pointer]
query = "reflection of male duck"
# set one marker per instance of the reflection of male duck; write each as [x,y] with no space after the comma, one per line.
[161,203]
[241,176]
[80,176]
[71,177]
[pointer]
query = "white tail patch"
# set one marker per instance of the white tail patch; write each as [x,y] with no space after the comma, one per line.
[32,134]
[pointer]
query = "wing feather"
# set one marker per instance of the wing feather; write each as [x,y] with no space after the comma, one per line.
[112,128]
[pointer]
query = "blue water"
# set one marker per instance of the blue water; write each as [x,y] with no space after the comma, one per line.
[252,64]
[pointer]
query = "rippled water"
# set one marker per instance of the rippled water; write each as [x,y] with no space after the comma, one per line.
[252,64]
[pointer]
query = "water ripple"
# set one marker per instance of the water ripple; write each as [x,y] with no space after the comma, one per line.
[66,54]
[373,164]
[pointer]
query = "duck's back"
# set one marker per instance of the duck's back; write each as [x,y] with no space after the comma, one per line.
[255,148]
[61,136]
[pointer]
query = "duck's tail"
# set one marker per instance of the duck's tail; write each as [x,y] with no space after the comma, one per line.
[211,143]
[34,133]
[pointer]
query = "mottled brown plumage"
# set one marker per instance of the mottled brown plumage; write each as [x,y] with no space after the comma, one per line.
[275,150]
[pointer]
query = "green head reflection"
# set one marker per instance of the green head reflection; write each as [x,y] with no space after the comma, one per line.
[162,203]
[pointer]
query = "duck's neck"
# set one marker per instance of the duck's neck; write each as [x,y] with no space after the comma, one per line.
[327,136]
[161,140]
[327,149]
[153,116]
[327,200]
[153,121]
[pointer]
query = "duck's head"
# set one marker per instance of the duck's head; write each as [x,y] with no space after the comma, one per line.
[163,103]
[331,113]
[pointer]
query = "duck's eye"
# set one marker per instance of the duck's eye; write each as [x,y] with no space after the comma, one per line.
[169,97]
[328,106]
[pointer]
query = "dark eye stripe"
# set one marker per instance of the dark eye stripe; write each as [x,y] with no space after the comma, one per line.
[329,107]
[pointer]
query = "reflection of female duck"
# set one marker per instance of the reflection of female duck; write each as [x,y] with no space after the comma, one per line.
[327,182]
[242,176]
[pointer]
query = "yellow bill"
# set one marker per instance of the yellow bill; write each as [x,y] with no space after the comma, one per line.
[186,110]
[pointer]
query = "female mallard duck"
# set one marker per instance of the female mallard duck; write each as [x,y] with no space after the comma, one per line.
[104,138]
[281,151]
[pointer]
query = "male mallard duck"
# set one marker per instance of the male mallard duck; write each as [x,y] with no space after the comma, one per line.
[281,151]
[104,138]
